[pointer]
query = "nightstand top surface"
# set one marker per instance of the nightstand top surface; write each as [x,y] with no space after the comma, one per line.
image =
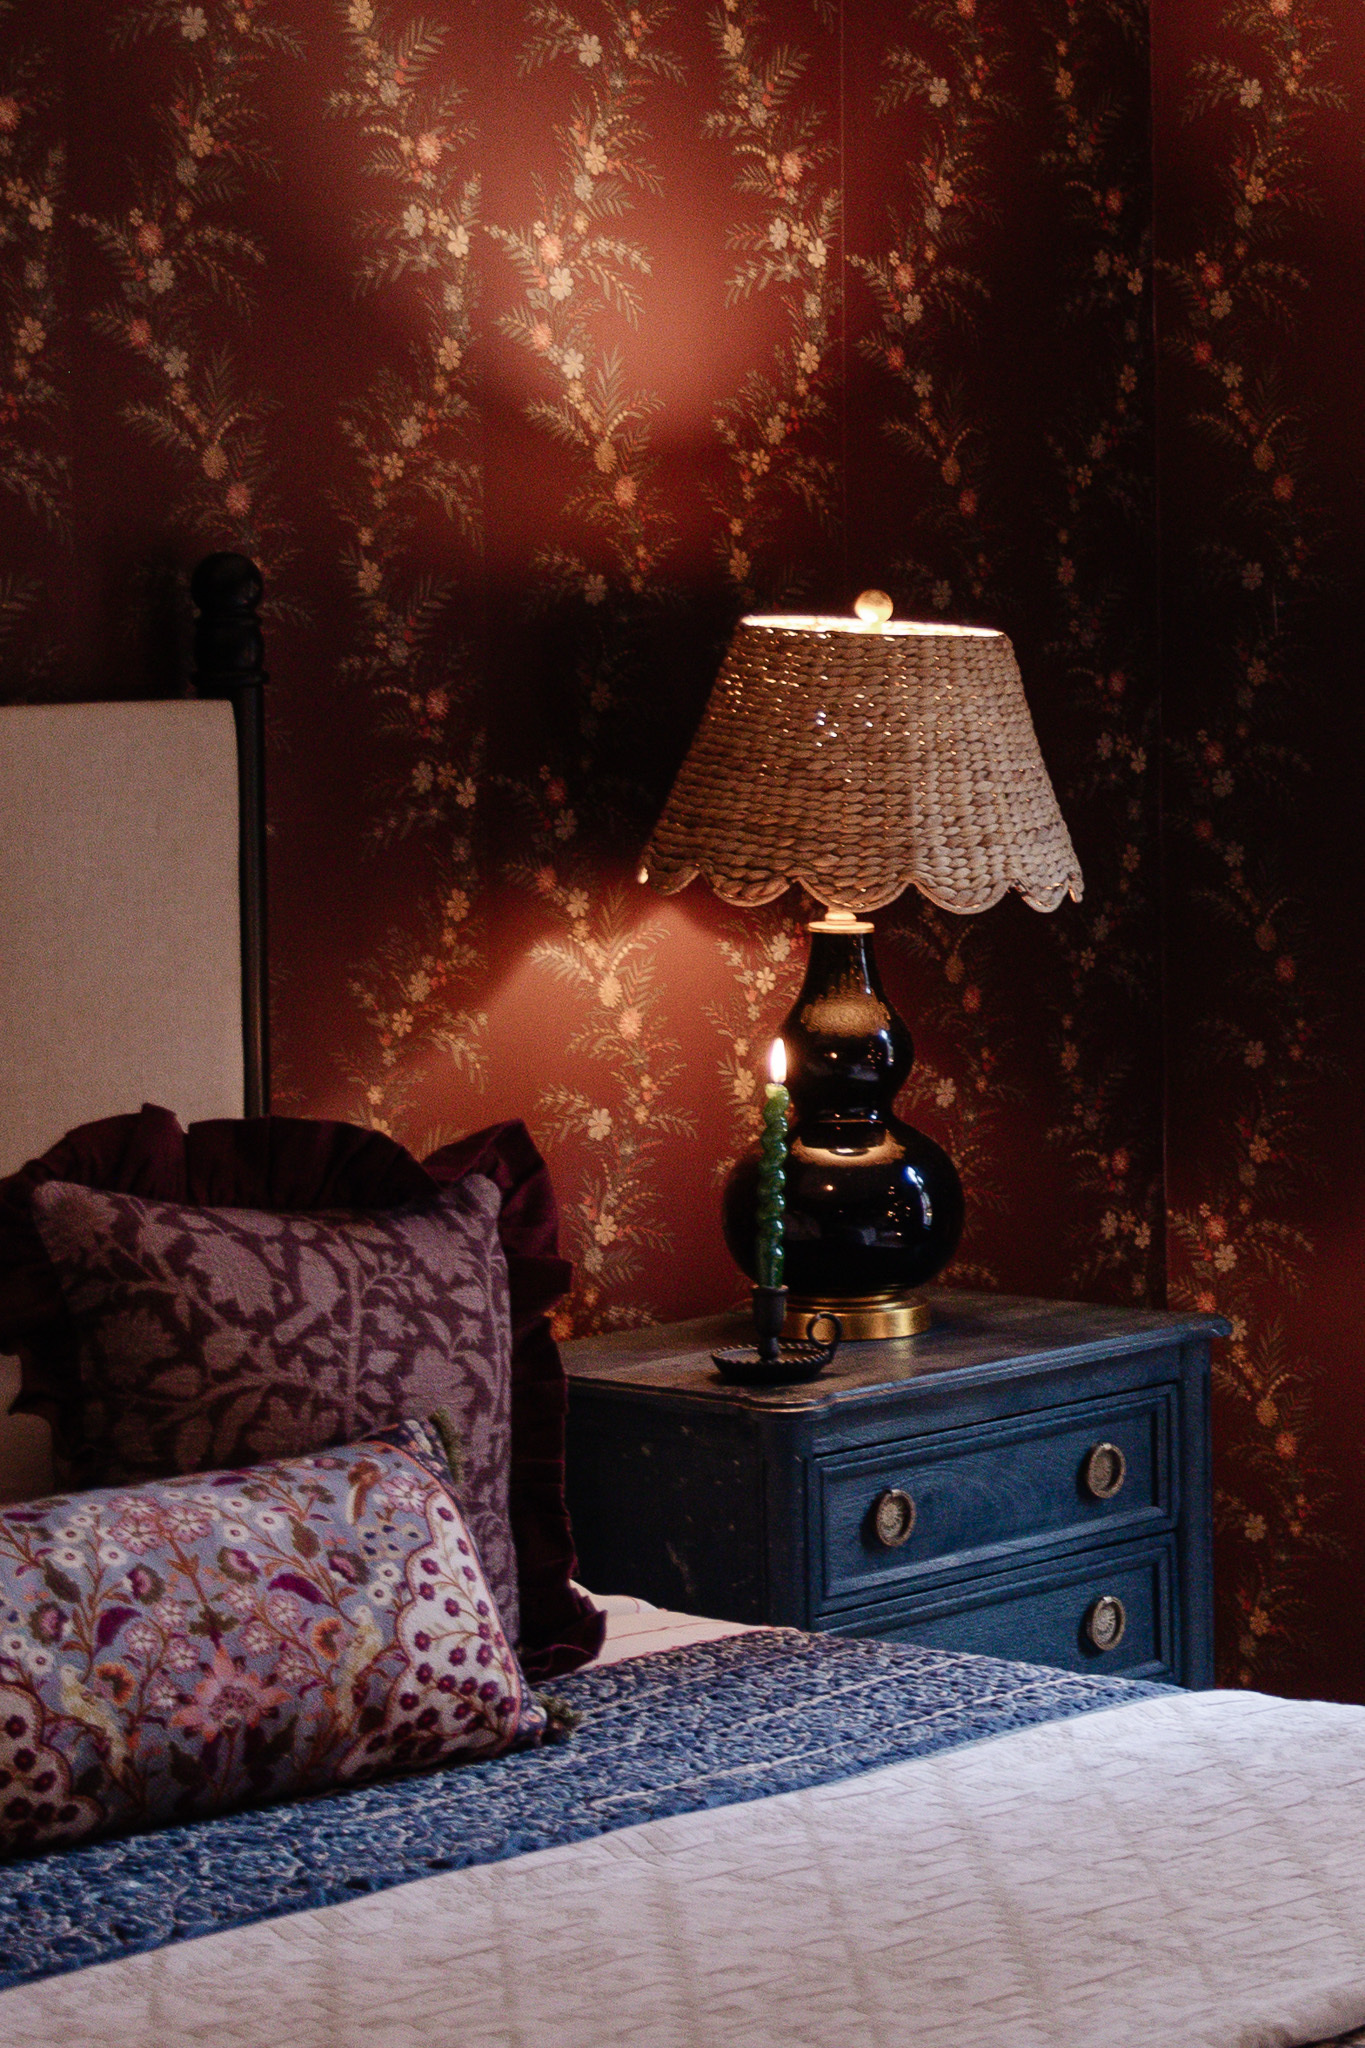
[970,1333]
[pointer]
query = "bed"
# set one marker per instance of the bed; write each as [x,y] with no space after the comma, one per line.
[687,1832]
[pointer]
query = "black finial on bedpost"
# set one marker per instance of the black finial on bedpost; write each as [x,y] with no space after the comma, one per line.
[229,661]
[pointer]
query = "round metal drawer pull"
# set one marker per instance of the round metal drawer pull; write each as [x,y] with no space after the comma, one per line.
[1105,1621]
[893,1518]
[1104,1471]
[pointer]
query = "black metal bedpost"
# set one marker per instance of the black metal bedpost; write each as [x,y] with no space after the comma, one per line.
[229,658]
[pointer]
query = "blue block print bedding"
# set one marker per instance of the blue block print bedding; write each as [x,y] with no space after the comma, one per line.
[709,1725]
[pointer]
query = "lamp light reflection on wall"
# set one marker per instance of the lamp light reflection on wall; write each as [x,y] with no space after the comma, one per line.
[857,756]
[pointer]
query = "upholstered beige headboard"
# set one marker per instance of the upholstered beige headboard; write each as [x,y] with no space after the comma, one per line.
[119,918]
[120,926]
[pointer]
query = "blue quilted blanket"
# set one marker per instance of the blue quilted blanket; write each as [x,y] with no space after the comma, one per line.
[710,1725]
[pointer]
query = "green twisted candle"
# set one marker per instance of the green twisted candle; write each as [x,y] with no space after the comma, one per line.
[772,1199]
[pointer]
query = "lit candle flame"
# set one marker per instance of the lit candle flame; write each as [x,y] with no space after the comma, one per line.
[777,1062]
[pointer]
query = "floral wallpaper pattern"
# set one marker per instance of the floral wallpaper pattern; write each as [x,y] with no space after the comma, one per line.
[183,272]
[35,466]
[580,286]
[786,242]
[525,348]
[928,286]
[948,106]
[1100,636]
[1259,1023]
[410,441]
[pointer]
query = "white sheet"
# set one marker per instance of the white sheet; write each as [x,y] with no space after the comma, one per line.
[634,1628]
[1185,1872]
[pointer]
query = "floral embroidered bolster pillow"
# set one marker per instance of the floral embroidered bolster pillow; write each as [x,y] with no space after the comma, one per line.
[173,1650]
[214,1337]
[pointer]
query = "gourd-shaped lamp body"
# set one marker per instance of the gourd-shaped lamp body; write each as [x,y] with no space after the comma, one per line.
[872,1205]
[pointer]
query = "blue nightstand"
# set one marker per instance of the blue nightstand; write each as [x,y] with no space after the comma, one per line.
[1029,1479]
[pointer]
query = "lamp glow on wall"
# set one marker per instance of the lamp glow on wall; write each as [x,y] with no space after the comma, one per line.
[858,756]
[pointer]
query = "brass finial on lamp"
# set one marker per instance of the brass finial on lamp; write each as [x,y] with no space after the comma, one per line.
[857,756]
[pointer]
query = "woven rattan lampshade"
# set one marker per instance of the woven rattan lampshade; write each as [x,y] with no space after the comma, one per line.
[857,757]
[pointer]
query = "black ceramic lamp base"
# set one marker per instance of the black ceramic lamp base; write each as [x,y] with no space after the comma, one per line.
[873,1207]
[770,1362]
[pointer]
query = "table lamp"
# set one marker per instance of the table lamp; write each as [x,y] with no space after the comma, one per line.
[857,756]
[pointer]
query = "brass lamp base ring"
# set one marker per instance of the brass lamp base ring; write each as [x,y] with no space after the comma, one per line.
[892,1314]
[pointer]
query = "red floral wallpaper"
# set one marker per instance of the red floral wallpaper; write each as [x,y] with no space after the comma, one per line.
[1259,268]
[525,347]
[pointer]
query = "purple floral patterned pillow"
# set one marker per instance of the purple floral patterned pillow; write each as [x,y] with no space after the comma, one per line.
[210,1338]
[173,1650]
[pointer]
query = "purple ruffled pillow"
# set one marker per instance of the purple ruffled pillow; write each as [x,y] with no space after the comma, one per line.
[209,1338]
[174,1650]
[298,1164]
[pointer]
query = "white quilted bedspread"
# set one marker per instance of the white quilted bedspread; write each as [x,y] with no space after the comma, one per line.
[1186,1872]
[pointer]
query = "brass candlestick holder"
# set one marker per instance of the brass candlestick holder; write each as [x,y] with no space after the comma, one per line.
[770,1362]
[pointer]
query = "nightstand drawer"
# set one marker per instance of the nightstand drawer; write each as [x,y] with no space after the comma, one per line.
[963,1500]
[1111,1612]
[1038,1444]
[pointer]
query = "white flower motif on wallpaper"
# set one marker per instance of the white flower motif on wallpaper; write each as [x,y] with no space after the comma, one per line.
[185,271]
[33,464]
[765,953]
[962,1090]
[1108,1039]
[610,1127]
[1238,1246]
[409,436]
[787,242]
[581,296]
[579,279]
[928,293]
[415,994]
[608,963]
[35,469]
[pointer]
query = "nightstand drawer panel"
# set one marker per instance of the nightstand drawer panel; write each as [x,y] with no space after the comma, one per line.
[1108,1613]
[965,1500]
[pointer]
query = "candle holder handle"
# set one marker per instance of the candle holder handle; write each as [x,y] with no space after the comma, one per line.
[771,1363]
